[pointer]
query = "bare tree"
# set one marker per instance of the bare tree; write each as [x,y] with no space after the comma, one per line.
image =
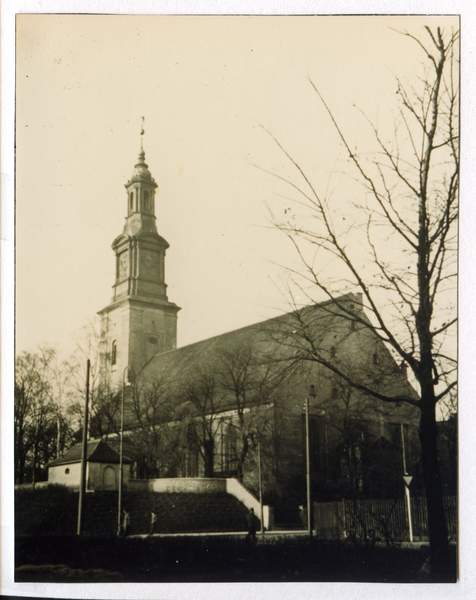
[222,410]
[202,416]
[104,402]
[399,253]
[263,450]
[40,427]
[367,456]
[150,439]
[249,381]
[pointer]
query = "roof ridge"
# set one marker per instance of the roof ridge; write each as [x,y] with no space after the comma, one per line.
[254,325]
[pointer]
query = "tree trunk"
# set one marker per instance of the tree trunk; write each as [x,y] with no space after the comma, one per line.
[19,466]
[20,452]
[241,458]
[437,528]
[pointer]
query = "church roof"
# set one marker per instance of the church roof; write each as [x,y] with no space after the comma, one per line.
[267,341]
[97,451]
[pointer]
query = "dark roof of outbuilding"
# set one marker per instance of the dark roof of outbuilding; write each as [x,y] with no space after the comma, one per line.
[97,451]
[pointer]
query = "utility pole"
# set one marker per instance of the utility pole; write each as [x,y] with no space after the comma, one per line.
[308,470]
[260,484]
[121,452]
[82,484]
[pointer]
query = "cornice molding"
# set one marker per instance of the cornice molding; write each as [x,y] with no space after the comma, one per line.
[141,301]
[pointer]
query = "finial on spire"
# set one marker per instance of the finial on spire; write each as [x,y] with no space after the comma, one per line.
[142,133]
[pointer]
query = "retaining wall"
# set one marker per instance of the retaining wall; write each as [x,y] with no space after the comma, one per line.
[200,485]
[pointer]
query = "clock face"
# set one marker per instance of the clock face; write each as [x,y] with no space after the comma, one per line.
[148,258]
[122,271]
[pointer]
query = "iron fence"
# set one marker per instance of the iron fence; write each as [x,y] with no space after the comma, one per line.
[385,519]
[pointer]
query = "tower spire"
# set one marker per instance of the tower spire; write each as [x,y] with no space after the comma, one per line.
[140,321]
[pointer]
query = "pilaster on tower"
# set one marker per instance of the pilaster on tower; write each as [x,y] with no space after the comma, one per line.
[140,250]
[140,321]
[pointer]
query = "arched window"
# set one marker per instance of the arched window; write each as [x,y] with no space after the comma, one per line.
[109,478]
[131,201]
[231,458]
[113,353]
[146,200]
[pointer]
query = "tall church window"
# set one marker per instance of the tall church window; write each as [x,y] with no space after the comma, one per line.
[113,353]
[231,459]
[191,462]
[191,453]
[131,201]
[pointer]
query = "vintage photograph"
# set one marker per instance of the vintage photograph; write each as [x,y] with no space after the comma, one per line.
[236,298]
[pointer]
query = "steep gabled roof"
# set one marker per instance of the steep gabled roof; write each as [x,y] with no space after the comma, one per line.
[97,451]
[181,367]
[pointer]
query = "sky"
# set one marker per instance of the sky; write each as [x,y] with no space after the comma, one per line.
[213,91]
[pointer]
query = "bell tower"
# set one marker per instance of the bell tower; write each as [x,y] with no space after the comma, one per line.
[140,321]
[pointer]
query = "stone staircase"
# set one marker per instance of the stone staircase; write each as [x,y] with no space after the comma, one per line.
[182,512]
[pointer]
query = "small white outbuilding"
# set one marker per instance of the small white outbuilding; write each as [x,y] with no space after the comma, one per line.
[102,467]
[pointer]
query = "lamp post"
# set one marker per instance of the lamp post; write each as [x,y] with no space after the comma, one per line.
[84,451]
[121,450]
[256,435]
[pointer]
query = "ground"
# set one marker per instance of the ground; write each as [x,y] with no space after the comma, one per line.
[172,559]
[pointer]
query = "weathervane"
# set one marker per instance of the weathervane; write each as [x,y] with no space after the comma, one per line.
[142,133]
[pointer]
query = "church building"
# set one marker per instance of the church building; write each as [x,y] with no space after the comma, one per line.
[235,405]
